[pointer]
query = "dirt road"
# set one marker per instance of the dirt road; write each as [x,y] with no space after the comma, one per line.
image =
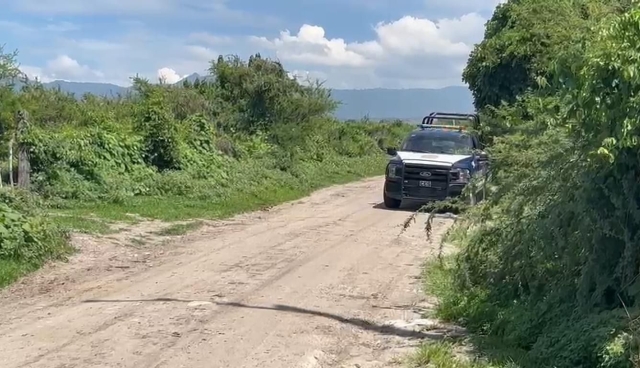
[314,283]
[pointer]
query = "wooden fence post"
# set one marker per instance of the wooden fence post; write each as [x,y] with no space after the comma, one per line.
[24,166]
[11,161]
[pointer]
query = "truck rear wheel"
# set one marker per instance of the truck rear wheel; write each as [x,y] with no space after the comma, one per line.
[391,202]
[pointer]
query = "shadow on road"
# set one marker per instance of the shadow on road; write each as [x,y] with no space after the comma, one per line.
[363,324]
[414,207]
[357,322]
[138,300]
[409,207]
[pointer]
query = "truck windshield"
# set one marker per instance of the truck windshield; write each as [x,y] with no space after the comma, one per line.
[450,144]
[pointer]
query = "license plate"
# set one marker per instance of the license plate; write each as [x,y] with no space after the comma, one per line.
[425,184]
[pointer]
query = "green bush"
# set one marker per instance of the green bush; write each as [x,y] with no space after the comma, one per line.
[27,238]
[549,264]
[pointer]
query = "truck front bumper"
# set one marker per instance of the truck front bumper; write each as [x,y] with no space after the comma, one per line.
[400,189]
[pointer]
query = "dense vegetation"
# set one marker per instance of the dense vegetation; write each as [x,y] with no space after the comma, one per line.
[252,137]
[548,266]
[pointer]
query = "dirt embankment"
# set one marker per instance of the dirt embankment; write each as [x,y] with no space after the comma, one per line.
[327,281]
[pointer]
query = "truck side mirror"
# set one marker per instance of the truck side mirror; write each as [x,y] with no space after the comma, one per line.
[392,151]
[482,155]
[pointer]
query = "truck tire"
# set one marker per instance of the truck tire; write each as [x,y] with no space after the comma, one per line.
[391,202]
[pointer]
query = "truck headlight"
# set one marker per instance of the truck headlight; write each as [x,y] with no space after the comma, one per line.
[394,170]
[463,175]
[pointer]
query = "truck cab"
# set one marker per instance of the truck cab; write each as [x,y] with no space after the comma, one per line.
[435,162]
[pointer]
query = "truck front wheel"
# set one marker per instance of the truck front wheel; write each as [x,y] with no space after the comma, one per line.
[391,202]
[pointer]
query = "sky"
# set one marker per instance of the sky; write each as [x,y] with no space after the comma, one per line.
[345,43]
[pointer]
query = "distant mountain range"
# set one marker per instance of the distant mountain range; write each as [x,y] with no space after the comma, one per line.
[378,103]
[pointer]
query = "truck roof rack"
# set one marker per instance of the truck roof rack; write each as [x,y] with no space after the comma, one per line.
[455,119]
[458,128]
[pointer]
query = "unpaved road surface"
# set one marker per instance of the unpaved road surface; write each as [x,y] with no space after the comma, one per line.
[313,283]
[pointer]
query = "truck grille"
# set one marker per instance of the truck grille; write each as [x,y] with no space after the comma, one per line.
[437,176]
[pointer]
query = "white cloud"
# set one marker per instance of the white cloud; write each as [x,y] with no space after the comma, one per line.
[65,68]
[411,36]
[408,52]
[62,67]
[34,72]
[201,52]
[310,46]
[467,29]
[168,75]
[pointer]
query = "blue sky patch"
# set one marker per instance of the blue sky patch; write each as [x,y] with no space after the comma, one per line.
[348,43]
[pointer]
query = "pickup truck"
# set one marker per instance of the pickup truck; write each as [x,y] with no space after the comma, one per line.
[434,162]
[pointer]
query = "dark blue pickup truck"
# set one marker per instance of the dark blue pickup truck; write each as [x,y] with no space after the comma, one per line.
[434,162]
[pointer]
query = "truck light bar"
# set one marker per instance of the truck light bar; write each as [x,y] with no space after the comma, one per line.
[458,128]
[456,119]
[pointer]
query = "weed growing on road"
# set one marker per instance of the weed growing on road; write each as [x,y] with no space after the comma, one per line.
[443,355]
[180,229]
[82,224]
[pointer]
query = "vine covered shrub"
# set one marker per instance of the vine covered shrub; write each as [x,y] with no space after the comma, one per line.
[550,263]
[27,238]
[195,140]
[88,163]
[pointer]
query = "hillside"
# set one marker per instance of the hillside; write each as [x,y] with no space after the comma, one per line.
[379,103]
[410,104]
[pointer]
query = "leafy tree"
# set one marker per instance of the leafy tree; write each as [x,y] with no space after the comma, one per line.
[9,68]
[159,130]
[265,96]
[522,41]
[9,72]
[550,262]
